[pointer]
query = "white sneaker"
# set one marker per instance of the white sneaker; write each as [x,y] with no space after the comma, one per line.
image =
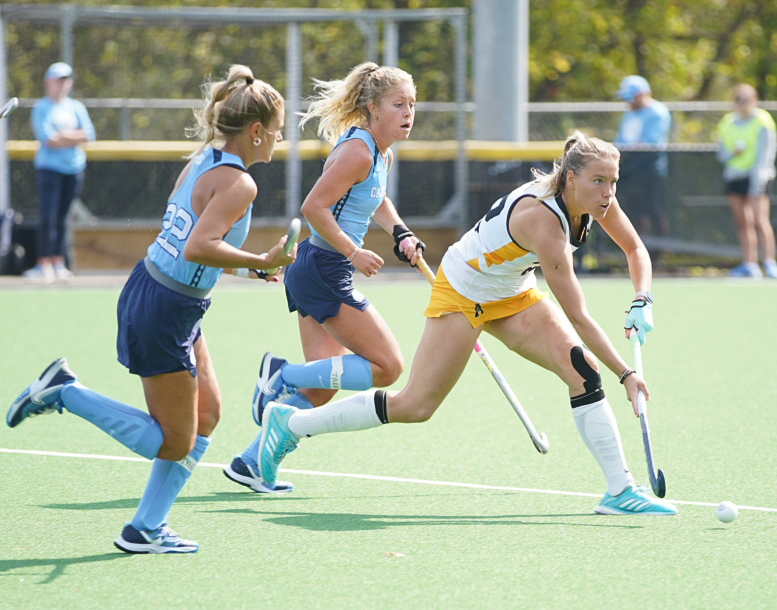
[40,273]
[61,272]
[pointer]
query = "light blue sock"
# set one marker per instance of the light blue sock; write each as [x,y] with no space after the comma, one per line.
[165,483]
[133,428]
[295,400]
[349,372]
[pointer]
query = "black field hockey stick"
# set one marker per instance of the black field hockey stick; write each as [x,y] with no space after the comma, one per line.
[657,481]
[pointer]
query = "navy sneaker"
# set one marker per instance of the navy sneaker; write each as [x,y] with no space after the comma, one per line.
[269,385]
[161,540]
[242,473]
[41,397]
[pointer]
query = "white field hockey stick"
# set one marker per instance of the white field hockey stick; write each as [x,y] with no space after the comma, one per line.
[292,235]
[9,107]
[657,481]
[540,440]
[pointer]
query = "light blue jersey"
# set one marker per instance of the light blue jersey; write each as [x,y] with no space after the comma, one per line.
[49,118]
[167,250]
[649,125]
[354,211]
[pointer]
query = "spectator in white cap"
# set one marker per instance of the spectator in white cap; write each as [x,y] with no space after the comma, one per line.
[642,137]
[61,125]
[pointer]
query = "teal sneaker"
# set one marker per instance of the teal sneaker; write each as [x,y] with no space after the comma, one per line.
[634,501]
[277,439]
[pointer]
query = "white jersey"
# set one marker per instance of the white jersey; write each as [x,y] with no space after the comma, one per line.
[487,264]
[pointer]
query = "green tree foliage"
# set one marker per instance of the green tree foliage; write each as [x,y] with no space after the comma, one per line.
[579,51]
[692,50]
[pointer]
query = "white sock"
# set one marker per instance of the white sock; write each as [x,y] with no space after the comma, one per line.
[598,428]
[355,412]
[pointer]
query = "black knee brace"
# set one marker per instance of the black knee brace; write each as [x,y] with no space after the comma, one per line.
[592,381]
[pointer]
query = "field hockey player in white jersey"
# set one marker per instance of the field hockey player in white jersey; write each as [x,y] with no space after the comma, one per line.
[163,302]
[487,283]
[345,341]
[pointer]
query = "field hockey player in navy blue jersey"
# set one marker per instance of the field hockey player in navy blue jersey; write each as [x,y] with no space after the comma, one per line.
[163,302]
[345,341]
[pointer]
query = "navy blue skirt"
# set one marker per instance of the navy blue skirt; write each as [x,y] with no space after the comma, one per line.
[319,281]
[157,326]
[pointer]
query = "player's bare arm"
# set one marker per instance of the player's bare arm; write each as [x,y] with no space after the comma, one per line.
[348,164]
[220,199]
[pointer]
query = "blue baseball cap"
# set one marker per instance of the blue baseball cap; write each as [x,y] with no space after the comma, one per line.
[59,70]
[631,86]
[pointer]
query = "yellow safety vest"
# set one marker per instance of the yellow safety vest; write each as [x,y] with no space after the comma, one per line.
[731,133]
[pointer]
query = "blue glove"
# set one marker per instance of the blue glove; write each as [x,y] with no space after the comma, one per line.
[640,318]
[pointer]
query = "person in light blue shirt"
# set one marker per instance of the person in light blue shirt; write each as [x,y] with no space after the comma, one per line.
[163,302]
[61,125]
[642,137]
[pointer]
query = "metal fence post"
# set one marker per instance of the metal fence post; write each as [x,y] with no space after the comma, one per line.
[5,170]
[391,58]
[293,95]
[462,165]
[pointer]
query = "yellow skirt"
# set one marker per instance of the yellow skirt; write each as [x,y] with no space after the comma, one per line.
[445,300]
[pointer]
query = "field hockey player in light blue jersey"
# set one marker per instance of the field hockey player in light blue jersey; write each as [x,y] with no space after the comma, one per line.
[487,283]
[345,341]
[164,300]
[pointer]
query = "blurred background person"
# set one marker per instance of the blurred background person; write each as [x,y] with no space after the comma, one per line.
[61,125]
[747,147]
[645,125]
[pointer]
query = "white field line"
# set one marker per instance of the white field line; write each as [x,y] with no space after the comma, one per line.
[370,477]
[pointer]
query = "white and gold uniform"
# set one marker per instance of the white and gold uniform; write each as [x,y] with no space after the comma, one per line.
[487,275]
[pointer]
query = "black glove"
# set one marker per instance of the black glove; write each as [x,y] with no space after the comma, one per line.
[400,233]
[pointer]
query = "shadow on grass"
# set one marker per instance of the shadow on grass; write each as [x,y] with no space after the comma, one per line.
[348,522]
[235,496]
[57,565]
[354,521]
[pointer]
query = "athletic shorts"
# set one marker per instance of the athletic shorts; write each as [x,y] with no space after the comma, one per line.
[319,281]
[157,326]
[741,187]
[445,300]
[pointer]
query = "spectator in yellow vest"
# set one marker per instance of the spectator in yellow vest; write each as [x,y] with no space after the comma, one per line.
[748,143]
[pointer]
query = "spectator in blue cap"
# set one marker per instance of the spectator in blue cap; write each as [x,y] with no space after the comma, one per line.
[642,137]
[61,125]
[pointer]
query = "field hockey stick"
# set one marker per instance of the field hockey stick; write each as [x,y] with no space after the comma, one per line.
[540,440]
[292,235]
[657,481]
[9,107]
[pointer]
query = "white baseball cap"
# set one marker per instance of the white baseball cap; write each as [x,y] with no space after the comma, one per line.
[59,70]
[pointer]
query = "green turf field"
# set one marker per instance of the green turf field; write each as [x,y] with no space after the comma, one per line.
[459,512]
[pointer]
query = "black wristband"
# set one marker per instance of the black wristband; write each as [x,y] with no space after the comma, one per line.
[400,232]
[625,374]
